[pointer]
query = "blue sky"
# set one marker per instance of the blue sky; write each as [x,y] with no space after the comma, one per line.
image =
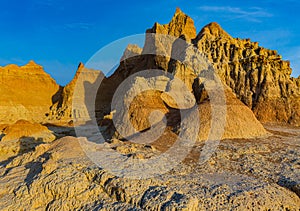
[58,34]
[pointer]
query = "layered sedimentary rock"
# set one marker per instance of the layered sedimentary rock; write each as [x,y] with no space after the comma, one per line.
[181,24]
[240,121]
[160,38]
[255,172]
[258,76]
[147,90]
[27,92]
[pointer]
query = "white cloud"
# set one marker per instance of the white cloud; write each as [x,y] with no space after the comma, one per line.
[252,14]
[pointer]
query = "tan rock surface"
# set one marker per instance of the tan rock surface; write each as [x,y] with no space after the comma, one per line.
[135,111]
[149,99]
[31,94]
[131,51]
[23,128]
[160,39]
[241,123]
[223,52]
[22,137]
[241,175]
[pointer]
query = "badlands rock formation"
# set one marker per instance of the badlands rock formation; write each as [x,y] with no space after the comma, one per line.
[181,24]
[178,57]
[258,76]
[240,120]
[252,168]
[27,92]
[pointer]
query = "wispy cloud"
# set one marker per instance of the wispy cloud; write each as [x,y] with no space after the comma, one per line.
[79,25]
[252,14]
[18,61]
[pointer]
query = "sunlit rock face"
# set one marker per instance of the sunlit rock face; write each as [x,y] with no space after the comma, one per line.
[258,76]
[27,92]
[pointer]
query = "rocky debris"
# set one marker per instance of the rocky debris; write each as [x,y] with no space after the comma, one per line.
[27,92]
[134,150]
[22,137]
[61,185]
[240,175]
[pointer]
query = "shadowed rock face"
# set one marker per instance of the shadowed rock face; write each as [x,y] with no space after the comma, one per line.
[62,110]
[258,76]
[240,121]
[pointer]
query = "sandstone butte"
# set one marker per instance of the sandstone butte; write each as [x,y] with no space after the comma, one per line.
[253,168]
